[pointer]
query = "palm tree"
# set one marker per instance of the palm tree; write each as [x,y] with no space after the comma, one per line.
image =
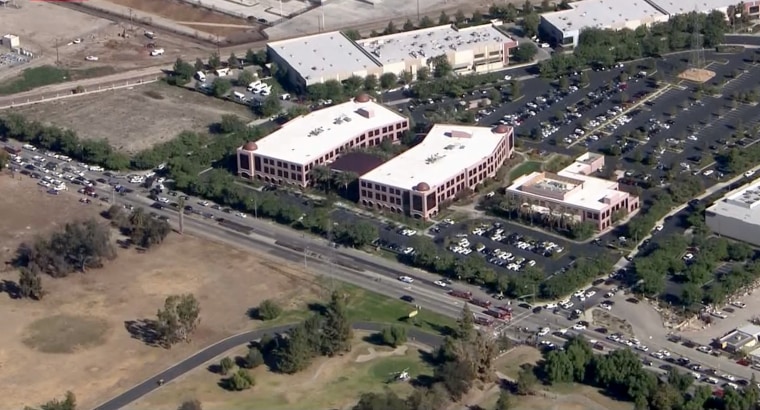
[321,175]
[344,179]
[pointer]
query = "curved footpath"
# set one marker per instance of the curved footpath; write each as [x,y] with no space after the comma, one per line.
[227,344]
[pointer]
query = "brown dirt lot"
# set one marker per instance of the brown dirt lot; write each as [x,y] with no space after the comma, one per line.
[43,25]
[226,282]
[145,115]
[180,11]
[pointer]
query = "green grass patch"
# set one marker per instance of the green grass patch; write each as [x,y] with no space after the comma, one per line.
[36,77]
[367,306]
[66,333]
[523,169]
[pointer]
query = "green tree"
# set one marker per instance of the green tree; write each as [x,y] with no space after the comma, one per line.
[271,106]
[68,403]
[199,65]
[564,83]
[465,330]
[30,283]
[178,319]
[505,401]
[370,82]
[426,22]
[444,18]
[526,380]
[269,310]
[254,358]
[352,35]
[530,24]
[250,57]
[525,52]
[393,336]
[459,17]
[240,380]
[390,29]
[336,329]
[182,72]
[244,78]
[225,365]
[409,26]
[295,353]
[514,90]
[441,66]
[388,80]
[423,74]
[214,61]
[220,87]
[233,61]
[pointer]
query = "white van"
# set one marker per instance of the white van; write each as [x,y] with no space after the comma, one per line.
[254,85]
[200,76]
[222,72]
[239,96]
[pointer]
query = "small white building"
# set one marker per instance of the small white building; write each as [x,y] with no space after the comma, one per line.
[11,41]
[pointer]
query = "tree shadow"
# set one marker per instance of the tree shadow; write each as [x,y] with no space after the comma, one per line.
[430,358]
[423,381]
[145,330]
[254,313]
[317,308]
[11,288]
[374,338]
[443,330]
[214,368]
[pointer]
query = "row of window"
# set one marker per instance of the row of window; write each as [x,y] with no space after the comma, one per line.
[280,164]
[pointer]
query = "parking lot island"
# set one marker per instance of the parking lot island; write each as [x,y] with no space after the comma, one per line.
[450,160]
[574,193]
[289,154]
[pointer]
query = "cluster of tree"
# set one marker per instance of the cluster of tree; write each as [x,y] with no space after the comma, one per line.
[75,248]
[682,188]
[464,358]
[452,86]
[393,336]
[239,379]
[606,46]
[621,375]
[356,233]
[556,220]
[326,334]
[739,159]
[143,230]
[68,403]
[62,140]
[665,261]
[178,319]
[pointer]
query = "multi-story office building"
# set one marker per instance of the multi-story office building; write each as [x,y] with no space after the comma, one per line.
[333,56]
[288,155]
[574,193]
[450,160]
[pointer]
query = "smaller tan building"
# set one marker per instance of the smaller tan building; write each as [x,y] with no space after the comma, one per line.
[451,159]
[574,193]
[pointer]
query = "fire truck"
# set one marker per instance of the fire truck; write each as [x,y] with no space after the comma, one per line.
[480,302]
[499,314]
[461,294]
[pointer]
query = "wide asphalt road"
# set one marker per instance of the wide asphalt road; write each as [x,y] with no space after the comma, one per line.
[222,346]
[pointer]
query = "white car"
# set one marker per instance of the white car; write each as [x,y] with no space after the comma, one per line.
[163,200]
[641,348]
[605,306]
[406,279]
[712,380]
[658,228]
[543,332]
[91,58]
[728,377]
[203,203]
[440,283]
[579,326]
[241,215]
[739,304]
[749,173]
[590,293]
[578,293]
[550,306]
[507,77]
[705,349]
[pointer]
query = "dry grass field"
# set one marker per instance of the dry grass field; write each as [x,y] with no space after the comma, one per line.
[327,384]
[135,119]
[75,338]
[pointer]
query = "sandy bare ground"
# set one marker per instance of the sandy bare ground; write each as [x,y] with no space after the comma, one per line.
[136,119]
[226,282]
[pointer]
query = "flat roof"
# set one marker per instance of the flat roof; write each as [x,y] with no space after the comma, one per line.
[753,330]
[603,14]
[593,190]
[430,42]
[323,55]
[357,162]
[742,203]
[446,151]
[305,138]
[687,6]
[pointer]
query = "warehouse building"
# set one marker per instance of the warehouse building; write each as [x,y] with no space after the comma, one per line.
[451,160]
[563,27]
[333,56]
[737,215]
[319,138]
[574,193]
